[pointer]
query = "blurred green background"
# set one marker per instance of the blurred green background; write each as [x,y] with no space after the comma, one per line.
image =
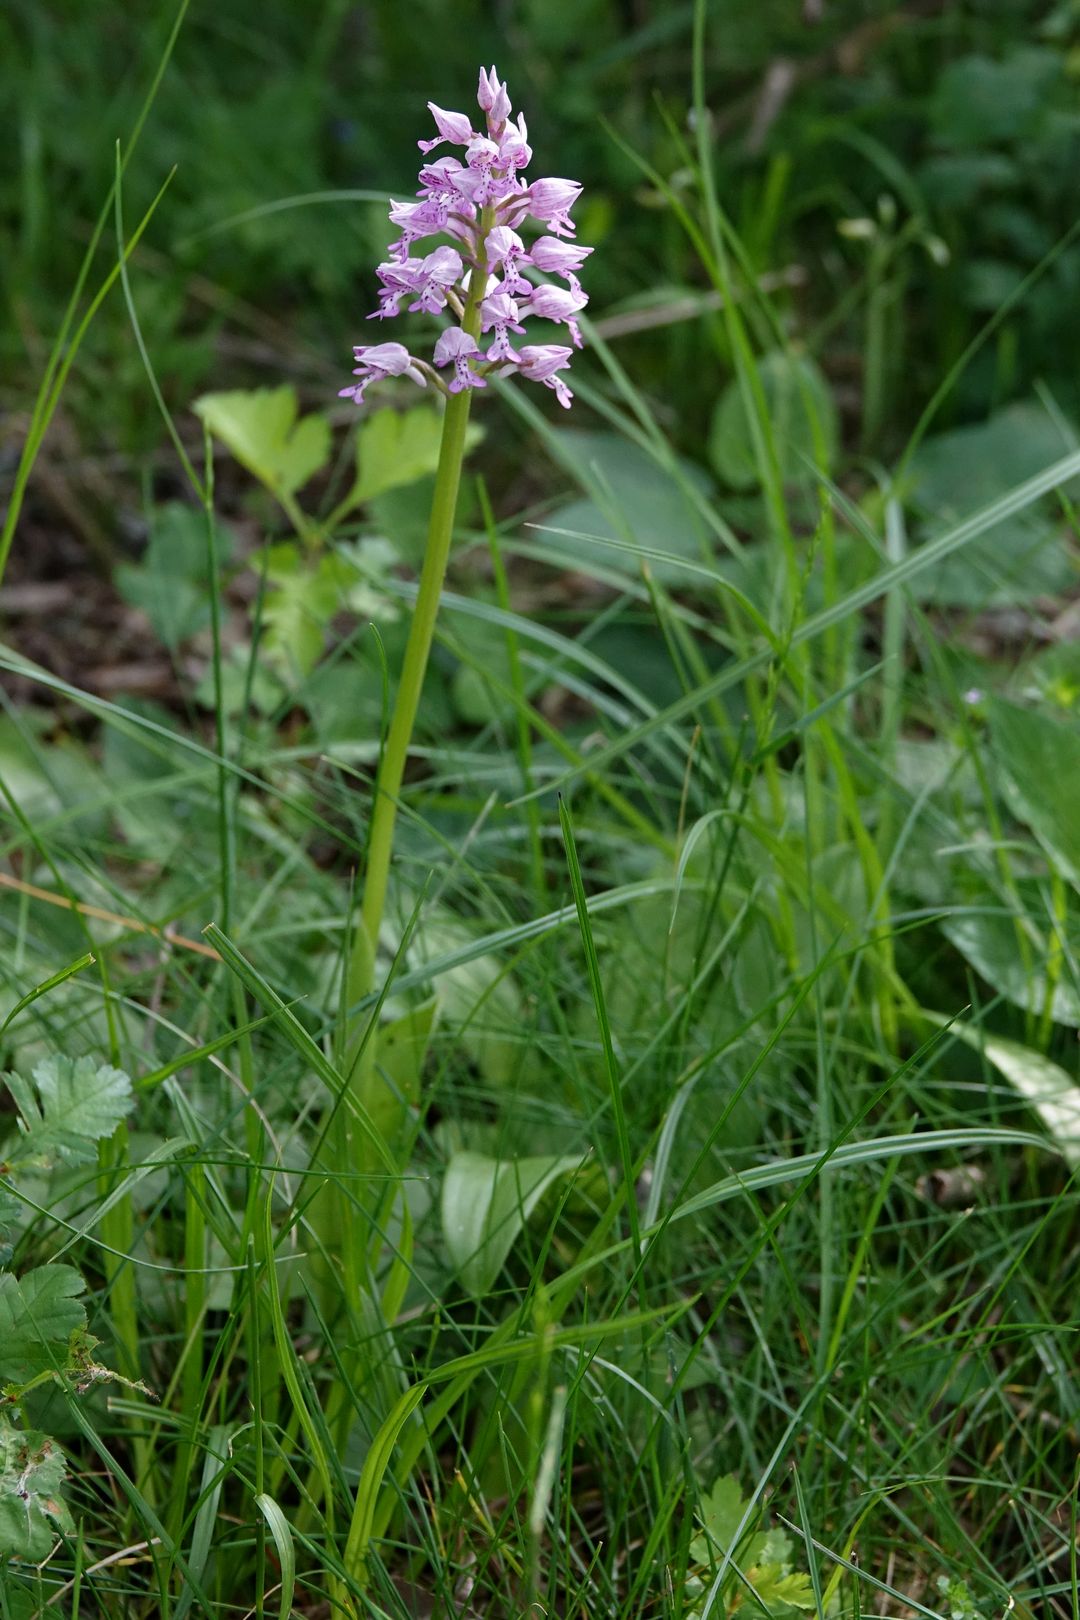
[901,167]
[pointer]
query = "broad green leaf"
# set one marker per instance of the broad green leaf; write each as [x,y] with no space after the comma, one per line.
[394,448]
[1019,950]
[991,945]
[479,1002]
[1018,559]
[47,778]
[305,593]
[476,700]
[260,427]
[980,100]
[801,412]
[32,1511]
[38,1315]
[72,1105]
[778,1588]
[1041,757]
[1046,1087]
[22,1593]
[169,582]
[632,500]
[721,1514]
[402,1048]
[486,1203]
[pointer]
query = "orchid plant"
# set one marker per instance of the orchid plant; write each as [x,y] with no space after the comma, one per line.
[488,284]
[480,203]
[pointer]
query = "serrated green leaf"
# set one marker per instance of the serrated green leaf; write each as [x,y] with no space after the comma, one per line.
[38,1315]
[305,595]
[778,1590]
[775,1549]
[260,427]
[72,1104]
[720,1514]
[764,1557]
[32,1511]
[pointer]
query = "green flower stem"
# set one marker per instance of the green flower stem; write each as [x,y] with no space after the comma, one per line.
[350,1150]
[361,970]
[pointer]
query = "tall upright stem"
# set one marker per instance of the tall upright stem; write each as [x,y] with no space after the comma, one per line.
[361,969]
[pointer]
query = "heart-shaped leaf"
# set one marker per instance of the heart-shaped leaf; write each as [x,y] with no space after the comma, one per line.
[260,427]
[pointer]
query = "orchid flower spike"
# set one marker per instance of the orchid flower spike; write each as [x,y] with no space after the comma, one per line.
[482,203]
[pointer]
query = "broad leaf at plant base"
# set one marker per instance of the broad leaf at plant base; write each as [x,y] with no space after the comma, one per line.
[986,936]
[632,500]
[486,1203]
[1042,1083]
[966,468]
[1041,757]
[801,413]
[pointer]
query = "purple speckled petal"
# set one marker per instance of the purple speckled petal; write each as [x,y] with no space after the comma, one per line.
[480,200]
[452,126]
[550,202]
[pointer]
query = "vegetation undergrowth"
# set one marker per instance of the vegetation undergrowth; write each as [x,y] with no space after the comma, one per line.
[708,1241]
